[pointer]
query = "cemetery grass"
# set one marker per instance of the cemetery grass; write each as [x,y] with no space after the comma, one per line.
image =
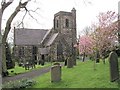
[19,70]
[81,76]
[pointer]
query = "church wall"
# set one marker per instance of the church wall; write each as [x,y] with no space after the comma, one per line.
[24,54]
[65,25]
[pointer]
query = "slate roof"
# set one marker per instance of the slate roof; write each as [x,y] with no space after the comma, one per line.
[46,35]
[29,36]
[51,39]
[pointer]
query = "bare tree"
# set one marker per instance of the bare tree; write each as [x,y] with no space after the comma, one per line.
[4,5]
[87,30]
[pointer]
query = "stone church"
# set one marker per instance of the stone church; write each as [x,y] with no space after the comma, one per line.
[40,45]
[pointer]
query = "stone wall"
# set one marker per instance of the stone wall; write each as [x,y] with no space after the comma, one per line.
[65,26]
[24,54]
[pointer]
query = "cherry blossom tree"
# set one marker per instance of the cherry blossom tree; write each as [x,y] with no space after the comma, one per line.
[86,45]
[105,33]
[102,38]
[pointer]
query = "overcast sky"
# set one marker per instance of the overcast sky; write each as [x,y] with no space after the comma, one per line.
[86,10]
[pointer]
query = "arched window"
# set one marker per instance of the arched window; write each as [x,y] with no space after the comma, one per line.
[67,23]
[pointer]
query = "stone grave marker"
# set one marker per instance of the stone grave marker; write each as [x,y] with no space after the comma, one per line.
[56,73]
[69,62]
[114,69]
[56,63]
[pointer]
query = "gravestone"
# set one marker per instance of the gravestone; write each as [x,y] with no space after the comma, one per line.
[65,59]
[56,63]
[114,69]
[69,62]
[26,66]
[55,73]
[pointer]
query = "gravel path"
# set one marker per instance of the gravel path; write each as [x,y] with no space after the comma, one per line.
[31,74]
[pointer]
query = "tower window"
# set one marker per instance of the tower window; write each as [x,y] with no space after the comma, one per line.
[67,23]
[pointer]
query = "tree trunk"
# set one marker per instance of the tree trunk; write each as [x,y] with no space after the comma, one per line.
[97,57]
[0,65]
[3,70]
[103,59]
[10,63]
[7,29]
[4,38]
[4,67]
[94,65]
[83,57]
[0,43]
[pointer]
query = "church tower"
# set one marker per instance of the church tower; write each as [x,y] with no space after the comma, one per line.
[65,25]
[65,22]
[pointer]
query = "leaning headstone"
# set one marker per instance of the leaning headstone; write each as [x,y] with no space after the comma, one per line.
[114,69]
[69,62]
[55,73]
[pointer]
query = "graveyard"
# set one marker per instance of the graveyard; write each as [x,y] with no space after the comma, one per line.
[19,70]
[83,75]
[63,55]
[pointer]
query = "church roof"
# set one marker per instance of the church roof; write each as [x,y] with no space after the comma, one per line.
[29,36]
[51,39]
[46,35]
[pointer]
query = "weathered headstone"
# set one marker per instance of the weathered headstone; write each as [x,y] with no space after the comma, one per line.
[114,69]
[55,73]
[70,62]
[56,63]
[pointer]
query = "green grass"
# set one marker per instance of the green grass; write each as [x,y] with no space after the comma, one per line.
[19,70]
[81,76]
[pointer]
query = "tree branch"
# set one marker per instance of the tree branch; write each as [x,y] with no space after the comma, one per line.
[32,15]
[5,4]
[28,11]
[22,20]
[9,21]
